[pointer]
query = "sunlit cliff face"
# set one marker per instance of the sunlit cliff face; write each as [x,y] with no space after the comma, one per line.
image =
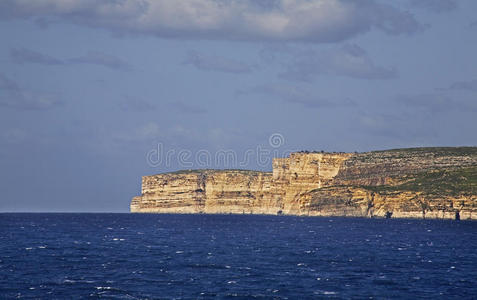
[367,184]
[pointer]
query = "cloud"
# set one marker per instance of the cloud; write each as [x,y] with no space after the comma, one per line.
[297,95]
[317,21]
[435,103]
[383,125]
[136,105]
[470,85]
[397,131]
[186,108]
[102,59]
[13,135]
[348,60]
[23,55]
[145,133]
[15,97]
[437,6]
[216,63]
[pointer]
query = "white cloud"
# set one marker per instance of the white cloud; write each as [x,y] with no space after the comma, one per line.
[277,20]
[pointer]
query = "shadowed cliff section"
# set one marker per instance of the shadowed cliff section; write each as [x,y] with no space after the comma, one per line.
[414,182]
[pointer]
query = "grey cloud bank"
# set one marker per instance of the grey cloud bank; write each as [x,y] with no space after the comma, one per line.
[316,21]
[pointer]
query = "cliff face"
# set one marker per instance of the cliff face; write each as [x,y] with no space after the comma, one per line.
[205,191]
[421,182]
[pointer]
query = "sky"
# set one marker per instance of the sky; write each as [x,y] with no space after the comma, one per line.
[95,94]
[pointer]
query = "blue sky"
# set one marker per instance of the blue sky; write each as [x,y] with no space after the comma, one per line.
[89,90]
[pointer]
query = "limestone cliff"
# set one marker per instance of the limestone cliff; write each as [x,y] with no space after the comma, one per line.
[419,182]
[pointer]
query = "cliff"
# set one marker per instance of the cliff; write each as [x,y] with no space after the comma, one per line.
[417,182]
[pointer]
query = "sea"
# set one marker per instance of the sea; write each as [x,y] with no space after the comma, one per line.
[162,256]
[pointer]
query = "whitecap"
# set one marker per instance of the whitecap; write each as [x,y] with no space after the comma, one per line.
[69,281]
[179,252]
[325,293]
[29,248]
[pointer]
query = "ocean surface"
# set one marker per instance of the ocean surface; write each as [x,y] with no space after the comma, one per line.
[143,256]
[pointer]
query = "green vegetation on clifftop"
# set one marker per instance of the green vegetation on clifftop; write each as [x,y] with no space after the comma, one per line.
[450,182]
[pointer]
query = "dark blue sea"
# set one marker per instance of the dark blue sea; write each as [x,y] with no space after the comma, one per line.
[147,256]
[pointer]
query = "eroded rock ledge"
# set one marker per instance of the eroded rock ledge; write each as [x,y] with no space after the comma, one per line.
[416,183]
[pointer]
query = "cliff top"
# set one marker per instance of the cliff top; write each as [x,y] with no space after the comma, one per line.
[211,171]
[463,150]
[454,151]
[366,157]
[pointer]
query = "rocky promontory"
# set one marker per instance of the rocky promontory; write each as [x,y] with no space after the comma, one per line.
[414,182]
